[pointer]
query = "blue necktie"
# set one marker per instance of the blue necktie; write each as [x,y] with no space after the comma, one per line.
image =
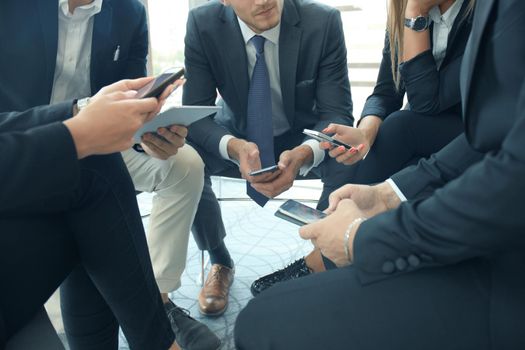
[259,129]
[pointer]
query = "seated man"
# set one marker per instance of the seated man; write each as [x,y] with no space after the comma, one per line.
[279,66]
[64,211]
[443,270]
[76,48]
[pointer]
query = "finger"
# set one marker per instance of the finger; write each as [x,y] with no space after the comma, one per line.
[308,232]
[135,84]
[337,151]
[330,129]
[265,177]
[346,155]
[141,106]
[152,148]
[171,137]
[122,95]
[155,140]
[284,160]
[166,93]
[325,145]
[333,201]
[180,130]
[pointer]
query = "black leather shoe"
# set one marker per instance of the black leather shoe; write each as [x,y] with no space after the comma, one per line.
[190,334]
[295,270]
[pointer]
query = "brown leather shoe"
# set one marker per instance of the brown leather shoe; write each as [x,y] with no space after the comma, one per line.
[213,298]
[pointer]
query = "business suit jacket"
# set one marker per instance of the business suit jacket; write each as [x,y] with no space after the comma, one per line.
[36,142]
[429,91]
[468,199]
[28,42]
[312,64]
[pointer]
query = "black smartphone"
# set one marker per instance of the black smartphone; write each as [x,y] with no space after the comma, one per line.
[266,170]
[319,136]
[298,213]
[155,87]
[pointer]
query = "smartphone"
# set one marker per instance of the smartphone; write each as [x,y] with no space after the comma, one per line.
[319,136]
[298,213]
[266,170]
[155,87]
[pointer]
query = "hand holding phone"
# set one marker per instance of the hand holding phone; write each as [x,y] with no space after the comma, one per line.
[298,213]
[160,83]
[319,136]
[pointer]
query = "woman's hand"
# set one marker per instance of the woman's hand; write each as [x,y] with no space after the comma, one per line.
[351,136]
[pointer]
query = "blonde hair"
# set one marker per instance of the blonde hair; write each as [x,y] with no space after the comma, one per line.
[396,27]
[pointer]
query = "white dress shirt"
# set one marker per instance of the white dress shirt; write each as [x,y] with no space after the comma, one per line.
[75,33]
[443,24]
[280,122]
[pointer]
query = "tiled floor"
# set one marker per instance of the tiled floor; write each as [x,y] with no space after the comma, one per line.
[258,242]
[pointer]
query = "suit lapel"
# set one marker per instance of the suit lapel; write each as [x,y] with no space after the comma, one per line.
[102,46]
[237,60]
[481,16]
[289,44]
[48,11]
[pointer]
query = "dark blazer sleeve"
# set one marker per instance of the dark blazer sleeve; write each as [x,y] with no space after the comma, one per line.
[431,91]
[333,96]
[200,89]
[479,213]
[451,161]
[385,99]
[38,157]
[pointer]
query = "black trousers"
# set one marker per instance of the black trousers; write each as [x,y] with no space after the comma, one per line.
[403,139]
[208,228]
[431,309]
[95,236]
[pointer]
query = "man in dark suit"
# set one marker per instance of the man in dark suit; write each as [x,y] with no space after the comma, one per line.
[279,67]
[68,205]
[444,269]
[78,46]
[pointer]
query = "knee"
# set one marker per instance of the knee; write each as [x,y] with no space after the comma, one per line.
[186,170]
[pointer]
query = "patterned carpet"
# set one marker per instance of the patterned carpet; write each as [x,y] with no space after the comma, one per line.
[258,242]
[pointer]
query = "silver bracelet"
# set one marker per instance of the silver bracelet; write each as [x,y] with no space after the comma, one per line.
[347,235]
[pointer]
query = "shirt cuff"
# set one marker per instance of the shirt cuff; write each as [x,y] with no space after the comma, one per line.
[397,190]
[223,148]
[318,156]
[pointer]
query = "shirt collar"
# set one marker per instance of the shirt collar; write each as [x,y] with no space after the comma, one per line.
[449,16]
[93,8]
[271,35]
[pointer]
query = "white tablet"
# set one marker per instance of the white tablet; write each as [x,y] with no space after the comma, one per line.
[177,115]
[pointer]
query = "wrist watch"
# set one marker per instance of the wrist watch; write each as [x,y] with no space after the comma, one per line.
[418,24]
[82,103]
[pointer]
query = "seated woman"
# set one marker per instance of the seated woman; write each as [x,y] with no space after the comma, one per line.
[430,56]
[65,212]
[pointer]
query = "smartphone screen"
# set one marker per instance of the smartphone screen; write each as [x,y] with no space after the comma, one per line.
[300,212]
[155,87]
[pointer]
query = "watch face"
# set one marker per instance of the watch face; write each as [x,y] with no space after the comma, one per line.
[420,23]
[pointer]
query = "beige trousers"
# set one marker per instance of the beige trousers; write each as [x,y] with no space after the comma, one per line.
[177,184]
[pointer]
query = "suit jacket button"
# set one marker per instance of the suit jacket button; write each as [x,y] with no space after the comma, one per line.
[413,260]
[401,264]
[388,267]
